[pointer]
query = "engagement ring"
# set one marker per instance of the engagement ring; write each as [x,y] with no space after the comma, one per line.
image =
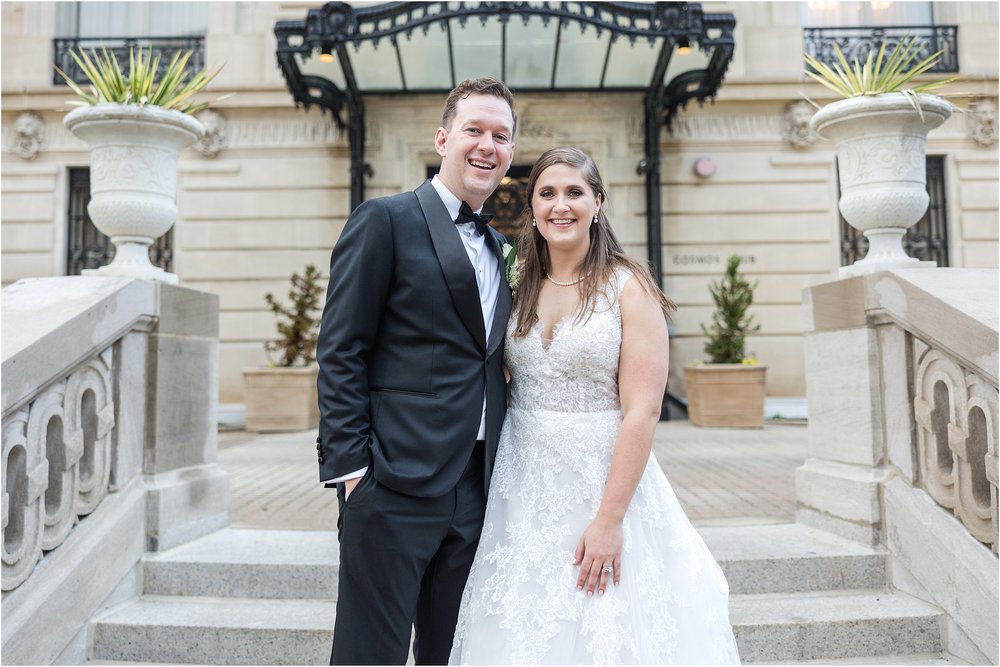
[608,569]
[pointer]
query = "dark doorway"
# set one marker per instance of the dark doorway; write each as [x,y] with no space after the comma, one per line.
[926,240]
[87,247]
[508,203]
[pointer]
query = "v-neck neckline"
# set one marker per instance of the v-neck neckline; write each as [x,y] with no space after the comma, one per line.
[552,339]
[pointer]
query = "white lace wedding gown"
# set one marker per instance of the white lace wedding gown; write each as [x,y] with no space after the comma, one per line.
[521,605]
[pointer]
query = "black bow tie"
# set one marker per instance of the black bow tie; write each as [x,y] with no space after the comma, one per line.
[465,215]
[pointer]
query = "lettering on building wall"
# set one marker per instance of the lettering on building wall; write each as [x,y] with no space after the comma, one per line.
[708,260]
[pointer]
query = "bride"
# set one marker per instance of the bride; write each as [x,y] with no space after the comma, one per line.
[586,557]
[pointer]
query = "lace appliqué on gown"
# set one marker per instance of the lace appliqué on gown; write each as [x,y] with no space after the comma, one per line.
[521,605]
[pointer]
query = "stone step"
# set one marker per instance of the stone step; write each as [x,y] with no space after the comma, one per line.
[791,558]
[278,564]
[942,658]
[301,564]
[830,626]
[216,631]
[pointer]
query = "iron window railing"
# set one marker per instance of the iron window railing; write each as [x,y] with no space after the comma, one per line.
[856,42]
[119,46]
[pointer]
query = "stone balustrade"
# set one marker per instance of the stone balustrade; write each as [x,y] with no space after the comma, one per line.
[60,407]
[57,452]
[955,410]
[109,448]
[901,370]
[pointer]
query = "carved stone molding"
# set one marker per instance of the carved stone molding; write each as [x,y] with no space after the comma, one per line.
[212,143]
[956,415]
[796,129]
[717,126]
[29,135]
[981,122]
[273,132]
[57,455]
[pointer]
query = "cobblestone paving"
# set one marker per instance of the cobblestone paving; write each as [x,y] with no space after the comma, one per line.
[721,476]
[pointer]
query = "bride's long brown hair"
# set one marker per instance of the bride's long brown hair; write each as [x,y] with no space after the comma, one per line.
[604,256]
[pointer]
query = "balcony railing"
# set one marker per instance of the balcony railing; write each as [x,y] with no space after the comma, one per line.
[856,42]
[119,46]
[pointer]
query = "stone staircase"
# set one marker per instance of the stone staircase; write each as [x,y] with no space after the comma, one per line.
[268,597]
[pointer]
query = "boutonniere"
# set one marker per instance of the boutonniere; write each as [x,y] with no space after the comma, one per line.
[512,271]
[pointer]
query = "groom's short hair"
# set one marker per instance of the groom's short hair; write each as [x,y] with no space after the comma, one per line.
[485,85]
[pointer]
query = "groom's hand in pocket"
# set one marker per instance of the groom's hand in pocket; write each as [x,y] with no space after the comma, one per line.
[349,487]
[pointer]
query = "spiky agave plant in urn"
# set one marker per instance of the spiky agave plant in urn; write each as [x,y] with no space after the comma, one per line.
[282,396]
[728,390]
[881,133]
[135,126]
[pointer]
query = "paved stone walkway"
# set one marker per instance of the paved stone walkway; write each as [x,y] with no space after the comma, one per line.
[721,476]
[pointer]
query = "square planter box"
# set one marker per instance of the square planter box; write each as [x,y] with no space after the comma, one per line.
[725,394]
[280,399]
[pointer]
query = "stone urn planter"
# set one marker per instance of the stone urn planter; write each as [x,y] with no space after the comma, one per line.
[133,178]
[725,395]
[881,154]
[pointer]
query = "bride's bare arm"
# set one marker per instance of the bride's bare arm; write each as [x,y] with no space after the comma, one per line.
[642,378]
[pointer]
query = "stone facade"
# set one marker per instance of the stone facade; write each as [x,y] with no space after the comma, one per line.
[267,191]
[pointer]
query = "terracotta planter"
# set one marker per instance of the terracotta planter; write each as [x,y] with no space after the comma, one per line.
[881,158]
[280,399]
[725,394]
[133,178]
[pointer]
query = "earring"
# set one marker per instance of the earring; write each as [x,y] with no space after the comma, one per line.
[595,218]
[534,223]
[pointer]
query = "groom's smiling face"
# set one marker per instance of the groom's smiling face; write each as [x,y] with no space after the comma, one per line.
[476,151]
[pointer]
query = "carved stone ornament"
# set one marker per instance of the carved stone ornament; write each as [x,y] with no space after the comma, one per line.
[796,129]
[215,137]
[981,122]
[28,130]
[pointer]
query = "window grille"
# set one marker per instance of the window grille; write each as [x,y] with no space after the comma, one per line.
[926,240]
[87,247]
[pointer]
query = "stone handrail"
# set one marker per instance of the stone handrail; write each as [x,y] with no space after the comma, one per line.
[61,395]
[951,319]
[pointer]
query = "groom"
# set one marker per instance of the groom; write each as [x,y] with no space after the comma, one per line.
[411,388]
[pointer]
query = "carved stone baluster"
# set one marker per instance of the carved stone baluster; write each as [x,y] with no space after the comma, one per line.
[47,433]
[979,499]
[25,476]
[937,381]
[90,419]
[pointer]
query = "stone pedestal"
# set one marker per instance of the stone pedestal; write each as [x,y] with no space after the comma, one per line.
[188,493]
[837,488]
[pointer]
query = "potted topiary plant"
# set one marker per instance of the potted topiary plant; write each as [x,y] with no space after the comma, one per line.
[881,129]
[728,390]
[282,396]
[136,127]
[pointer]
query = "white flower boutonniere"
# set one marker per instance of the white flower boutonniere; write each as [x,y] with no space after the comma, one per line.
[512,271]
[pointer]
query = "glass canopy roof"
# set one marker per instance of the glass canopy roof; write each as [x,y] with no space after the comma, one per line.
[528,53]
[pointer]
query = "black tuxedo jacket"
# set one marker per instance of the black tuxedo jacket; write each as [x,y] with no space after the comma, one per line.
[402,350]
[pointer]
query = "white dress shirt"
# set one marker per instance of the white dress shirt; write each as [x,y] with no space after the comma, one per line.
[487,277]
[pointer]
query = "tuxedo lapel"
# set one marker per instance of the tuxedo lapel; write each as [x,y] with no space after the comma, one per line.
[458,272]
[502,311]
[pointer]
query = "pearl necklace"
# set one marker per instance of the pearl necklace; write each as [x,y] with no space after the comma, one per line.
[569,284]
